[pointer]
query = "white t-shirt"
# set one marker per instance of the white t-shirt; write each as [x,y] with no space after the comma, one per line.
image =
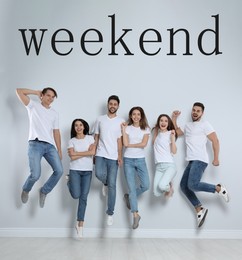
[109,130]
[42,122]
[136,136]
[162,147]
[84,163]
[196,140]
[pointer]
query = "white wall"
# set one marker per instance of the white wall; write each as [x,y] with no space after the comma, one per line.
[158,83]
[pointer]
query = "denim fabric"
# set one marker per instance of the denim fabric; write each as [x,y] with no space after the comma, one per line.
[164,174]
[191,182]
[36,151]
[79,185]
[106,171]
[137,177]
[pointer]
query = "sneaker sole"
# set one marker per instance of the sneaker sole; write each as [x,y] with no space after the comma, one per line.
[203,219]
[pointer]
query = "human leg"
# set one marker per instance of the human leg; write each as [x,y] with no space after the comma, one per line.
[143,176]
[52,157]
[101,169]
[35,153]
[74,184]
[170,171]
[85,183]
[190,183]
[130,176]
[191,196]
[112,170]
[194,181]
[86,177]
[157,179]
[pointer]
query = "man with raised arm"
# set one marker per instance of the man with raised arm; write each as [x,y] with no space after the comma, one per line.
[44,140]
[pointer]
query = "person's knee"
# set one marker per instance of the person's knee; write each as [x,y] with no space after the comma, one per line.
[99,175]
[34,177]
[183,187]
[75,195]
[192,186]
[146,186]
[83,197]
[164,187]
[59,171]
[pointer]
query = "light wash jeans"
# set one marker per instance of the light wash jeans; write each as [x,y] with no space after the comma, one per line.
[164,174]
[191,182]
[106,171]
[79,185]
[137,177]
[36,151]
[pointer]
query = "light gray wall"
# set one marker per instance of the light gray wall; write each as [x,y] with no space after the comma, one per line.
[158,83]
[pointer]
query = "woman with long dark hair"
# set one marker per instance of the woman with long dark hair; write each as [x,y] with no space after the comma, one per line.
[81,149]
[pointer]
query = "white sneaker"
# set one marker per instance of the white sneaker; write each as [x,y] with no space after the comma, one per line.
[223,193]
[110,220]
[104,190]
[201,215]
[79,231]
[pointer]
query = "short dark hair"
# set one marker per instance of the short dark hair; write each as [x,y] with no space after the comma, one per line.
[114,97]
[51,89]
[199,104]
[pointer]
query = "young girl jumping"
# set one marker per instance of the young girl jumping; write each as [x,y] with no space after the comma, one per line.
[164,149]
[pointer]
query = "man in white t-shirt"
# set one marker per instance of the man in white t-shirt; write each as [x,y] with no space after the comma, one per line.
[108,139]
[196,134]
[44,140]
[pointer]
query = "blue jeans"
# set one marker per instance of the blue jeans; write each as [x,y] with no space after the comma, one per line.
[106,171]
[164,174]
[79,185]
[36,151]
[191,182]
[137,177]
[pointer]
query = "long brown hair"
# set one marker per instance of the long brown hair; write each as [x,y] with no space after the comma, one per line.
[170,123]
[143,121]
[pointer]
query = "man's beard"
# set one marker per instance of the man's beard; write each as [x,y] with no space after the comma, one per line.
[112,111]
[194,119]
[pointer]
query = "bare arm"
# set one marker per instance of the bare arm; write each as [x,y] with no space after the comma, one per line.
[77,155]
[23,94]
[57,138]
[141,144]
[125,135]
[126,139]
[173,142]
[120,150]
[154,135]
[174,117]
[215,143]
[96,138]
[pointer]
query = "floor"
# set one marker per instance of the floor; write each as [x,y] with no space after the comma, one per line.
[119,248]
